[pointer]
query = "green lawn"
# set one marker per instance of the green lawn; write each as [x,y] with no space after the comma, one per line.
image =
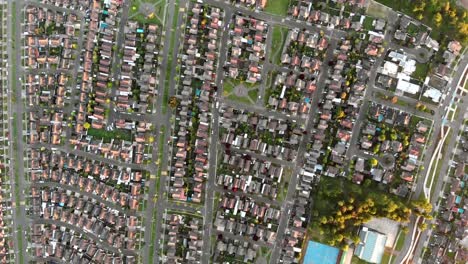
[170,62]
[157,18]
[367,24]
[386,258]
[277,7]
[244,100]
[108,135]
[253,94]
[278,39]
[228,87]
[19,236]
[438,167]
[356,260]
[401,241]
[153,236]
[422,69]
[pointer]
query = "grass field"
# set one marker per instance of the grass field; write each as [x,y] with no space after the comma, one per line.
[244,100]
[421,71]
[386,258]
[356,260]
[108,135]
[279,37]
[156,18]
[401,241]
[439,166]
[367,24]
[277,7]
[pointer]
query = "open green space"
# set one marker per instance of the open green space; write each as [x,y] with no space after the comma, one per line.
[401,241]
[19,236]
[422,69]
[229,86]
[240,99]
[155,17]
[153,236]
[170,61]
[367,24]
[386,258]
[277,7]
[278,40]
[356,260]
[107,136]
[438,168]
[253,94]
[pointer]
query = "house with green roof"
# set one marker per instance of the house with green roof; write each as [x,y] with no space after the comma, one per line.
[372,245]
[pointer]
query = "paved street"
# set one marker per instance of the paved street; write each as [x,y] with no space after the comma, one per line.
[16,109]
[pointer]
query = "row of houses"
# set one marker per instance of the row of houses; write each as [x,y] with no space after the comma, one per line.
[439,77]
[448,244]
[120,186]
[302,54]
[244,216]
[304,10]
[338,110]
[79,210]
[45,127]
[50,39]
[69,4]
[243,251]
[274,137]
[5,242]
[65,244]
[247,49]
[184,239]
[260,4]
[48,46]
[189,170]
[137,85]
[250,175]
[404,145]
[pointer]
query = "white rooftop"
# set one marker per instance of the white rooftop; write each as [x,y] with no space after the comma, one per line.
[434,94]
[407,87]
[390,68]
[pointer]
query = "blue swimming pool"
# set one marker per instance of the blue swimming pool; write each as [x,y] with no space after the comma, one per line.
[318,253]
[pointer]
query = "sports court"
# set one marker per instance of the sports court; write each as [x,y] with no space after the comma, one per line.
[318,253]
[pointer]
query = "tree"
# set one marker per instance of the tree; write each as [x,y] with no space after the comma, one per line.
[87,125]
[173,102]
[422,207]
[394,100]
[373,162]
[382,137]
[438,19]
[447,7]
[376,148]
[340,114]
[422,226]
[404,229]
